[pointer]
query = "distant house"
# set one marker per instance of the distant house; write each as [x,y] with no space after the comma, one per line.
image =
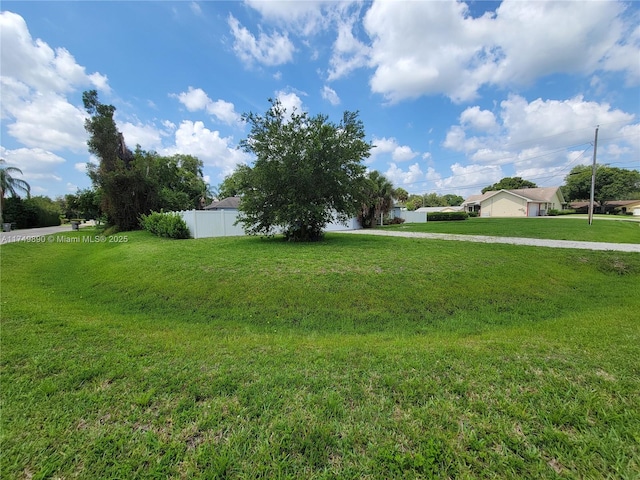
[611,206]
[633,208]
[524,202]
[229,203]
[447,208]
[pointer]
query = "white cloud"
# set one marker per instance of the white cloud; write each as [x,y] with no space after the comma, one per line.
[34,160]
[195,99]
[269,50]
[290,101]
[193,138]
[349,53]
[147,136]
[80,167]
[401,177]
[403,154]
[330,95]
[195,8]
[305,17]
[399,153]
[36,80]
[38,166]
[427,48]
[36,64]
[45,120]
[482,120]
[470,179]
[539,138]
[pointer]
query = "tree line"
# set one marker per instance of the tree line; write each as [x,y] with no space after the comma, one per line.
[307,172]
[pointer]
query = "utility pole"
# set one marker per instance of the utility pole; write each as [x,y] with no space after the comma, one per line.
[593,176]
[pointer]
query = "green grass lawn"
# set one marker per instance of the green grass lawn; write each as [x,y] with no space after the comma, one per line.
[555,228]
[356,357]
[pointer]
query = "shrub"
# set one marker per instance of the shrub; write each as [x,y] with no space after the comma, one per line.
[472,214]
[446,216]
[168,225]
[396,221]
[552,213]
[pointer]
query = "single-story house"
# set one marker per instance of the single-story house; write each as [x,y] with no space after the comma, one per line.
[229,203]
[611,206]
[523,202]
[447,208]
[633,207]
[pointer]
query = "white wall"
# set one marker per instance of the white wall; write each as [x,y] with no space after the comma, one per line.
[212,223]
[414,217]
[220,223]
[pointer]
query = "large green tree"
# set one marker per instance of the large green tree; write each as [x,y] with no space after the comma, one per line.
[452,199]
[612,183]
[377,198]
[124,189]
[231,185]
[9,183]
[400,194]
[307,173]
[132,183]
[510,183]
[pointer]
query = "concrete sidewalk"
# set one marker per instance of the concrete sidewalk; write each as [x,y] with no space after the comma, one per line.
[533,242]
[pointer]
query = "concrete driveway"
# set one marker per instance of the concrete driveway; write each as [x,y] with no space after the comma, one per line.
[534,242]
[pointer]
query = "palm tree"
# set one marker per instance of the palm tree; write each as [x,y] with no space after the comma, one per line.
[10,184]
[378,199]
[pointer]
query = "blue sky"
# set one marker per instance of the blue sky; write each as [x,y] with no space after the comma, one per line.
[454,95]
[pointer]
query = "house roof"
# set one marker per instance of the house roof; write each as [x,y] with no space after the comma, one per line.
[610,203]
[228,203]
[439,209]
[539,194]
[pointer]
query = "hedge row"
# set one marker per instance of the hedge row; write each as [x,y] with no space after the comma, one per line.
[446,216]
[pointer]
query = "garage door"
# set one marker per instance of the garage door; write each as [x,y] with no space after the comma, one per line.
[534,208]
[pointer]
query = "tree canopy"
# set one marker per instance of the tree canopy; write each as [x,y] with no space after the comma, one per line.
[377,198]
[307,173]
[612,183]
[132,183]
[510,183]
[432,200]
[9,183]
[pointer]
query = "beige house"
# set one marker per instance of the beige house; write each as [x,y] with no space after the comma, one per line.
[525,202]
[632,207]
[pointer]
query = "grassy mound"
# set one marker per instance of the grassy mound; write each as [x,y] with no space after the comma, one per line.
[352,357]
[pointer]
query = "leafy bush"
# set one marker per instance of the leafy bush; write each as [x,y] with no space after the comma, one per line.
[446,216]
[168,225]
[396,221]
[552,212]
[472,214]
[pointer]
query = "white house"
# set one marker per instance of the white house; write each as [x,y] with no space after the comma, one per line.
[524,202]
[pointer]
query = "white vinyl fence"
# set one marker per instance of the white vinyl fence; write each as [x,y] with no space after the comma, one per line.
[220,223]
[411,217]
[212,223]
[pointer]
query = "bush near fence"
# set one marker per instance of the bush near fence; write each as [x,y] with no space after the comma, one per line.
[168,225]
[446,216]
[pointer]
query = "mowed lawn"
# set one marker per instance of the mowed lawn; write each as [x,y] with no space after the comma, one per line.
[615,229]
[355,357]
